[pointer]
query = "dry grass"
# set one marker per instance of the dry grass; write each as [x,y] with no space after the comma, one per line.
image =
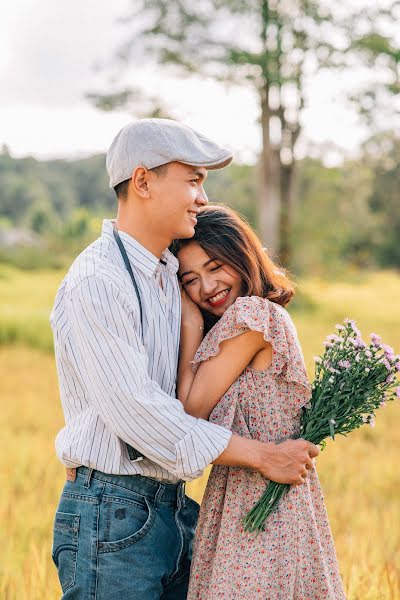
[360,476]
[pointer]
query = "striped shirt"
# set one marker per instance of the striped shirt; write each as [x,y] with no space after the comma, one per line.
[117,382]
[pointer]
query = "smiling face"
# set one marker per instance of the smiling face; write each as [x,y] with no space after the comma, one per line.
[211,284]
[177,197]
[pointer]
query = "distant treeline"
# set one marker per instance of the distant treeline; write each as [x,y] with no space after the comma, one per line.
[344,217]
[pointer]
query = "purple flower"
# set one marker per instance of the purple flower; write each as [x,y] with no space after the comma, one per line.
[397,365]
[376,340]
[359,343]
[355,328]
[387,364]
[398,392]
[345,364]
[334,338]
[368,353]
[350,322]
[389,352]
[390,378]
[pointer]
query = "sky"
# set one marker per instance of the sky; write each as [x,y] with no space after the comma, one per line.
[48,54]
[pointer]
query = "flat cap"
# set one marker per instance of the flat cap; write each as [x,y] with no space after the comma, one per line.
[153,142]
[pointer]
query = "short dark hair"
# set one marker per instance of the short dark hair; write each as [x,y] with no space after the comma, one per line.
[121,189]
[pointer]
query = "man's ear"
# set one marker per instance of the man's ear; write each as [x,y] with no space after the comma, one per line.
[140,182]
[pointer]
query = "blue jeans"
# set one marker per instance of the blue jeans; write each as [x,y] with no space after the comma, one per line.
[122,537]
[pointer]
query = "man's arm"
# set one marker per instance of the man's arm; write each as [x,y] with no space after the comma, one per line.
[134,407]
[287,462]
[114,367]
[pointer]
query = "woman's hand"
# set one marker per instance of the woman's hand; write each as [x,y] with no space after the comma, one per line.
[191,314]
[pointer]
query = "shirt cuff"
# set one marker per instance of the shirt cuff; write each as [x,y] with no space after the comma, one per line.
[200,447]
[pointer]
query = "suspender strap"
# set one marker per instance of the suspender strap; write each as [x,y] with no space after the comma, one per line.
[134,454]
[129,269]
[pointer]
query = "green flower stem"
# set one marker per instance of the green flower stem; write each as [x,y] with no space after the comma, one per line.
[354,393]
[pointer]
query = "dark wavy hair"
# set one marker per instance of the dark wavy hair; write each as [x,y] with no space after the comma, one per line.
[226,236]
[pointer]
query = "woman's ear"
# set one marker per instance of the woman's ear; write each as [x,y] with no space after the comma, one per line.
[140,182]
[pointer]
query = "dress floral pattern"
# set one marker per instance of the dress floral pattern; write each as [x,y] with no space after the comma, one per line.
[294,558]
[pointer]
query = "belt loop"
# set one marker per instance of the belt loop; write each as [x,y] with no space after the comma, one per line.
[158,495]
[181,494]
[88,478]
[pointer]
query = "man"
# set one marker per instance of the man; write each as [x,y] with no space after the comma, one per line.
[124,526]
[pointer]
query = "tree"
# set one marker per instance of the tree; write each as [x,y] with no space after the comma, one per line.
[271,45]
[382,155]
[375,42]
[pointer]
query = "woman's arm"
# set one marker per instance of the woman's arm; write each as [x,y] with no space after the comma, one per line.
[192,330]
[191,338]
[215,376]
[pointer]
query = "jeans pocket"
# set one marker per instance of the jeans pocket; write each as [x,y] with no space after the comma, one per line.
[189,515]
[123,522]
[65,547]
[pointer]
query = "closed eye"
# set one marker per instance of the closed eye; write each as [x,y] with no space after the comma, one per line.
[189,281]
[216,268]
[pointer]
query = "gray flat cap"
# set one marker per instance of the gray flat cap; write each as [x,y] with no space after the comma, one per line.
[153,142]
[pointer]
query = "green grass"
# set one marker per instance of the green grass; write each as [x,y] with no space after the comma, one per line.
[26,298]
[360,475]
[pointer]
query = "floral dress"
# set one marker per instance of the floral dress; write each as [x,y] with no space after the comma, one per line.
[294,558]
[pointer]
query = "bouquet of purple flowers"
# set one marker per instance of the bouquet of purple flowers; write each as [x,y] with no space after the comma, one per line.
[352,380]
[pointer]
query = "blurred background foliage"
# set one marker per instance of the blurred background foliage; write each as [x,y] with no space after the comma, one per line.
[274,49]
[315,219]
[346,217]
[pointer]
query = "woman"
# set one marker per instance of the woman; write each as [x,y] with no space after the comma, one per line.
[248,374]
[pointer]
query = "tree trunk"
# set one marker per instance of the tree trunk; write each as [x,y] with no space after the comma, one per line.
[288,193]
[269,207]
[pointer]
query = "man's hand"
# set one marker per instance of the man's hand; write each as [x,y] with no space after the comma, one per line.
[287,462]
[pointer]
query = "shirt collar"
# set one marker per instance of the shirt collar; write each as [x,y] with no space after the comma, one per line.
[138,255]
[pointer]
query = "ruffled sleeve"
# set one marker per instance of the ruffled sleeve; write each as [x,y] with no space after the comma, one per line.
[270,319]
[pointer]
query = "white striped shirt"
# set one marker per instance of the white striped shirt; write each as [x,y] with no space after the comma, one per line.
[117,383]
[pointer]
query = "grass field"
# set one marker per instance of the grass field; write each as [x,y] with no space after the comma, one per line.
[360,476]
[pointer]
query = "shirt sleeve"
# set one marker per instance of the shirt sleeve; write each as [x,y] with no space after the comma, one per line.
[132,405]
